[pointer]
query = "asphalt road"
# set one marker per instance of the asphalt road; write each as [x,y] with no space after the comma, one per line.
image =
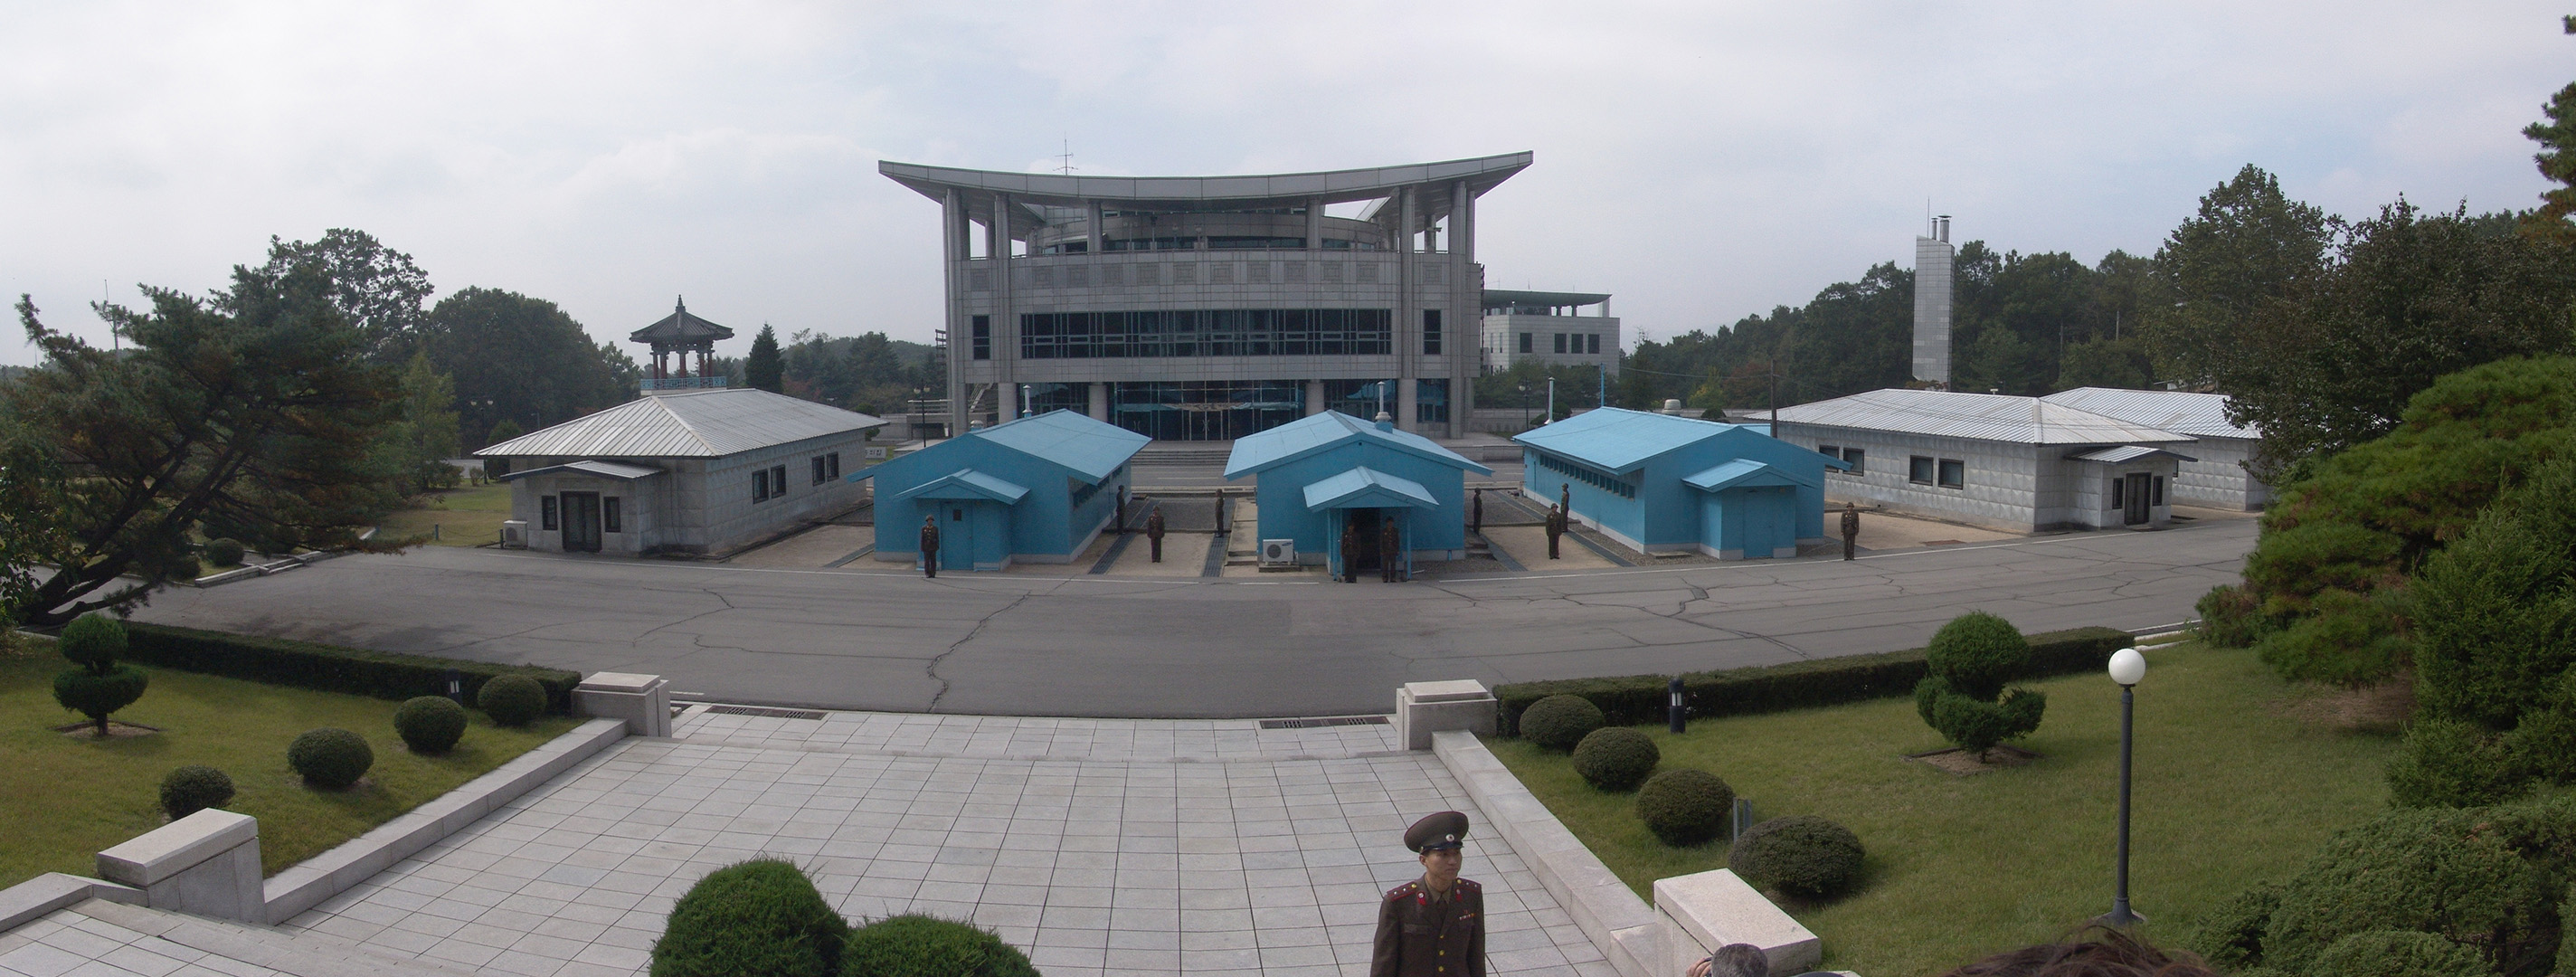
[867,638]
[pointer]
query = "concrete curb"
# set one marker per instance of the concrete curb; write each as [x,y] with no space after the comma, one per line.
[1614,918]
[30,900]
[328,874]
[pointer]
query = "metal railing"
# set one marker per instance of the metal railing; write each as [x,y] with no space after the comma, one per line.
[682,383]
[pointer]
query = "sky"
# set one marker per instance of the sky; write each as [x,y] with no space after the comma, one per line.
[1700,161]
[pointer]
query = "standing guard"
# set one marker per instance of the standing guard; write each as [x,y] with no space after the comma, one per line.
[1476,513]
[1555,529]
[1154,532]
[930,546]
[1390,553]
[1851,528]
[1433,926]
[1350,549]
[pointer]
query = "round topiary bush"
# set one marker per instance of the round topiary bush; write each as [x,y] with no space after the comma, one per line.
[924,946]
[1976,653]
[98,684]
[329,757]
[430,724]
[1558,722]
[1616,758]
[1685,807]
[92,641]
[757,917]
[512,700]
[1802,855]
[190,789]
[224,552]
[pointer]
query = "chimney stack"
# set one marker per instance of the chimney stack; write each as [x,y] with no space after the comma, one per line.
[1932,287]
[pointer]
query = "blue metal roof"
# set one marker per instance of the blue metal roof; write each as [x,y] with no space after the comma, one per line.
[1618,440]
[1305,436]
[967,483]
[1069,438]
[1363,487]
[1740,473]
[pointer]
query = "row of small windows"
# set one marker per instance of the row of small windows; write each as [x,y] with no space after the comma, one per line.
[1604,481]
[772,483]
[1947,473]
[1198,332]
[1849,456]
[1214,243]
[1569,343]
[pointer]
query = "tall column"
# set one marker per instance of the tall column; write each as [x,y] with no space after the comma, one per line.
[1100,400]
[1315,224]
[1408,306]
[956,245]
[1098,235]
[1006,321]
[1466,306]
[1314,397]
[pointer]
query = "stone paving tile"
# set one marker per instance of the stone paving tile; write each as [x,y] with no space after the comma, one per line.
[1098,846]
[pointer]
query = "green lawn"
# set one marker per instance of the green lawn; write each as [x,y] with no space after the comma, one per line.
[2232,787]
[465,516]
[63,799]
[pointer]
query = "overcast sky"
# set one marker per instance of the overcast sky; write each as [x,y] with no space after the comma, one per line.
[1699,161]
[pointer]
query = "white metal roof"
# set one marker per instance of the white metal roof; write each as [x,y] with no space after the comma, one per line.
[603,469]
[2125,452]
[2198,415]
[1985,417]
[696,424]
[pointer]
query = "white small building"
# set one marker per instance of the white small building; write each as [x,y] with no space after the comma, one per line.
[2218,479]
[1549,327]
[686,471]
[2021,464]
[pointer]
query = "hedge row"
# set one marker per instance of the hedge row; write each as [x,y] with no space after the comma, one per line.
[330,668]
[1640,699]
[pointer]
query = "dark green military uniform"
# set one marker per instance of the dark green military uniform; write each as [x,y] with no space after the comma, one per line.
[1421,933]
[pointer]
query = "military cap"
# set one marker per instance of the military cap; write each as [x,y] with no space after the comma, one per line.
[1442,830]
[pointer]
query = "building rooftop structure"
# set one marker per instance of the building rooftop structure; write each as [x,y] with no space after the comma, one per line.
[679,327]
[1301,438]
[1087,448]
[689,424]
[1618,440]
[2197,414]
[1990,417]
[1036,194]
[1538,303]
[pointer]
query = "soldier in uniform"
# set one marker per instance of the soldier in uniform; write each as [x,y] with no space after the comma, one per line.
[1433,926]
[930,545]
[1476,517]
[1851,528]
[1154,532]
[1555,529]
[1390,554]
[1565,496]
[1350,550]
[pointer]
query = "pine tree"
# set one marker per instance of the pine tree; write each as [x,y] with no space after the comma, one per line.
[2557,159]
[764,369]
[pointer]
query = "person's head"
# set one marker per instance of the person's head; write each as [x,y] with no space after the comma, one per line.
[1436,842]
[1739,960]
[1852,506]
[1440,865]
[930,520]
[2099,951]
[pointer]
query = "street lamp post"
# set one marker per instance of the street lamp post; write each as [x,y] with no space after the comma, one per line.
[2127,668]
[1524,405]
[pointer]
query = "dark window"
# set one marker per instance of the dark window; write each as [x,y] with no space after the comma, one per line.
[760,486]
[1430,332]
[1207,332]
[1560,342]
[983,326]
[1431,401]
[2157,496]
[834,466]
[1525,342]
[778,481]
[546,512]
[1918,470]
[609,518]
[1829,451]
[1954,473]
[2115,492]
[1592,343]
[1604,481]
[1853,457]
[818,470]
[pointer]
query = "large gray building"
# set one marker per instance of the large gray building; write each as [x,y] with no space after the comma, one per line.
[1549,327]
[1208,308]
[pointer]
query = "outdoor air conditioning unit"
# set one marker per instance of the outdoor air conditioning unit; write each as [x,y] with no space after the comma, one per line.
[514,534]
[1278,552]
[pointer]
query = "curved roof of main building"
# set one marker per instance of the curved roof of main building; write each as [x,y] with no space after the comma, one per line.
[1482,173]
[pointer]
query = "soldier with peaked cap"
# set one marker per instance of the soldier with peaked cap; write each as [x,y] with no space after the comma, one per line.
[1433,926]
[930,546]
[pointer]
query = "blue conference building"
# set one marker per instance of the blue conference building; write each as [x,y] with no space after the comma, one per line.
[1660,483]
[1319,474]
[1038,489]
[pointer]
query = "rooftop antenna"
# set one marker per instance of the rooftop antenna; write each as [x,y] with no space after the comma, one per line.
[1067,168]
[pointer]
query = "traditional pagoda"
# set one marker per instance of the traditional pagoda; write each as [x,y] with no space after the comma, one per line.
[684,334]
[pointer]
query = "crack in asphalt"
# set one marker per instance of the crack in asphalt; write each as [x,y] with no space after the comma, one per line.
[932,669]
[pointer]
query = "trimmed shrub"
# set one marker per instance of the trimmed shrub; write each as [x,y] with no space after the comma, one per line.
[430,724]
[330,757]
[512,700]
[97,684]
[2495,609]
[2231,617]
[2544,746]
[1685,807]
[2400,953]
[1635,700]
[190,789]
[1964,698]
[2230,936]
[2448,763]
[330,668]
[2491,876]
[1803,855]
[1558,722]
[224,552]
[2347,639]
[1615,758]
[923,946]
[757,917]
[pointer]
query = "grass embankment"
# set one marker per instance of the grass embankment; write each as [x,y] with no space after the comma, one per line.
[63,799]
[2233,785]
[464,516]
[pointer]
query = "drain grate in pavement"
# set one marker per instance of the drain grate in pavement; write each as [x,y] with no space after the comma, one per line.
[1326,721]
[765,712]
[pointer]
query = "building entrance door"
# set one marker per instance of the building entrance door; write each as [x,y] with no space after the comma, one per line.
[2134,509]
[957,537]
[1366,521]
[581,522]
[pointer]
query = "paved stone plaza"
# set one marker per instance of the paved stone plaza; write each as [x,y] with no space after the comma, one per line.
[1100,846]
